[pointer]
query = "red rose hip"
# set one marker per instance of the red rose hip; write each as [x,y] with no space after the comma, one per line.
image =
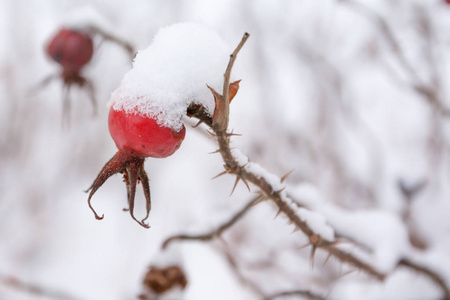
[72,49]
[137,137]
[143,136]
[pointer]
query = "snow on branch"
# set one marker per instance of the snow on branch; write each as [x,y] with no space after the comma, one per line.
[312,223]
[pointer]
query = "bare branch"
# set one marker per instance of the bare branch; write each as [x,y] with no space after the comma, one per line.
[427,91]
[109,37]
[32,289]
[217,232]
[227,75]
[436,278]
[222,109]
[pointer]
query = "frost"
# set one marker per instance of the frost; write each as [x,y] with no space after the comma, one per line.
[173,72]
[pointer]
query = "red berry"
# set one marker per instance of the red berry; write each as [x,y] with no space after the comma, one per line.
[72,49]
[142,135]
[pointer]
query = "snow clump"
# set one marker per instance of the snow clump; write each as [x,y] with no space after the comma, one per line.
[173,72]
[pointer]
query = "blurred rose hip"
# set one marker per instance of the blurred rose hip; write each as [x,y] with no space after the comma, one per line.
[72,49]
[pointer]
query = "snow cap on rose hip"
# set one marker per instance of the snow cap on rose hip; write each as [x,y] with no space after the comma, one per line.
[173,72]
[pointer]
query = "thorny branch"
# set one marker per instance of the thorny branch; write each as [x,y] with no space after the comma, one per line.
[278,196]
[217,232]
[427,91]
[38,291]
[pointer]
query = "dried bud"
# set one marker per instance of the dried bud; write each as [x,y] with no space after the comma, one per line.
[161,280]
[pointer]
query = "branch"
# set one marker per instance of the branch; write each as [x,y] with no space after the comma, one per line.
[270,186]
[301,293]
[217,232]
[109,37]
[17,284]
[425,90]
[436,278]
[246,173]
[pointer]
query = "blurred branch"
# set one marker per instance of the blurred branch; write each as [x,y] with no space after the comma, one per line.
[32,289]
[300,293]
[237,271]
[436,278]
[109,37]
[217,232]
[427,91]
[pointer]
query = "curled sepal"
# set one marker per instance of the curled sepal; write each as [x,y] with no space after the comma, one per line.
[132,168]
[221,107]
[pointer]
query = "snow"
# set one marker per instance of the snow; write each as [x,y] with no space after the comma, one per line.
[317,222]
[337,108]
[173,72]
[381,233]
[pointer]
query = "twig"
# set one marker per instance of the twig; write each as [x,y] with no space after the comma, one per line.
[18,284]
[217,232]
[302,293]
[425,90]
[429,273]
[235,267]
[109,37]
[227,75]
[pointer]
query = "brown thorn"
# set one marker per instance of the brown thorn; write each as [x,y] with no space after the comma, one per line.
[235,184]
[246,183]
[313,252]
[278,213]
[211,133]
[214,152]
[285,176]
[327,259]
[221,174]
[196,125]
[233,134]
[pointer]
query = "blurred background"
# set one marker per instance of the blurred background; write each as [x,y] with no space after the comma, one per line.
[351,95]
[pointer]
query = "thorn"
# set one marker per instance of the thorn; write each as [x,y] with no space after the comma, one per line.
[313,252]
[262,199]
[304,246]
[286,175]
[296,229]
[278,213]
[196,125]
[233,134]
[246,183]
[211,133]
[221,174]
[280,190]
[214,152]
[235,184]
[326,259]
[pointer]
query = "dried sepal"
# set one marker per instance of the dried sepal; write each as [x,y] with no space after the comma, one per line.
[132,168]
